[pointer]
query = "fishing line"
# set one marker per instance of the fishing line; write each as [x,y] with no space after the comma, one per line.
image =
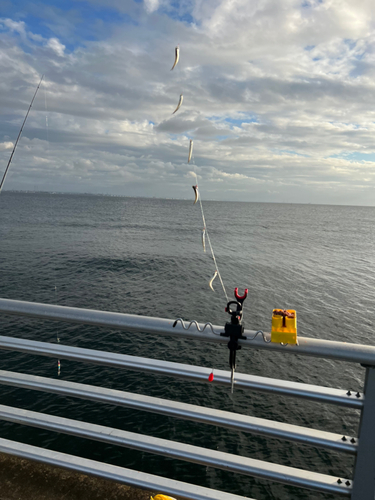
[198,198]
[53,235]
[206,232]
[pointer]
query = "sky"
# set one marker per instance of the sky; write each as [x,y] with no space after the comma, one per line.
[279,98]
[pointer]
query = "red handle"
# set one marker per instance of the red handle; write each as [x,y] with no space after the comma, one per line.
[238,297]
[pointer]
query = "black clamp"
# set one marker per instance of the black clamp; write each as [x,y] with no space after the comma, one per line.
[234,329]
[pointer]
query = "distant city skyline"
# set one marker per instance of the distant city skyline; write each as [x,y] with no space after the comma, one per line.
[278,97]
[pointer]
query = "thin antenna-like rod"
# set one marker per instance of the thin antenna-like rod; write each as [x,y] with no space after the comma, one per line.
[19,135]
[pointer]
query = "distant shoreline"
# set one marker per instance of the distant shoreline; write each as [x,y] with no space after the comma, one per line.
[67,193]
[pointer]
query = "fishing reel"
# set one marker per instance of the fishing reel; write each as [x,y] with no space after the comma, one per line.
[234,329]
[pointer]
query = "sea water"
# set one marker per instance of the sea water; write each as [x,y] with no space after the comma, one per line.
[145,256]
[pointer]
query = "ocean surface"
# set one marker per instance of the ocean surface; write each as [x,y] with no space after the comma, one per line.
[144,256]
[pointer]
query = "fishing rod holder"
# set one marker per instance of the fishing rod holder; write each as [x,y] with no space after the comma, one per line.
[234,329]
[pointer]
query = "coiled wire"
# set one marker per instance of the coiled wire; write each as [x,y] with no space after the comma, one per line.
[209,325]
[194,322]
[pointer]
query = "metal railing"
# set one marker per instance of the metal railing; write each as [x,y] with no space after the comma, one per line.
[360,487]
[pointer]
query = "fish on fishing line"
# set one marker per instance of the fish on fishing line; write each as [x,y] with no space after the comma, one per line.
[176,56]
[190,150]
[212,280]
[196,193]
[179,104]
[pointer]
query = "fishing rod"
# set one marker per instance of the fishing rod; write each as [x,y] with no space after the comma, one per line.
[19,135]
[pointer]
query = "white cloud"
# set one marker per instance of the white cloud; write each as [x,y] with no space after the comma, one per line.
[15,26]
[151,5]
[275,94]
[4,146]
[56,46]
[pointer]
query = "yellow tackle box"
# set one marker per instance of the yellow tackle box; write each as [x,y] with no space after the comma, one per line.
[284,326]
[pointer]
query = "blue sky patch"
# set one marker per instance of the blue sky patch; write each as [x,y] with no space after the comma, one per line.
[350,43]
[308,4]
[356,156]
[234,122]
[359,57]
[175,12]
[70,21]
[239,121]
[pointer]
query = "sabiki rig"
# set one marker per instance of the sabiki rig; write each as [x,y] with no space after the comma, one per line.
[284,322]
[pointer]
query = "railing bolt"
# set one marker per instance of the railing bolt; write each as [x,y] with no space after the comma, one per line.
[347,483]
[343,438]
[358,395]
[339,481]
[348,393]
[352,440]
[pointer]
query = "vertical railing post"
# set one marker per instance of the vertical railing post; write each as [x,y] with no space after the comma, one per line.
[364,469]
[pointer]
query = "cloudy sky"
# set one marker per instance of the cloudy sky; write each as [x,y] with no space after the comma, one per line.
[279,98]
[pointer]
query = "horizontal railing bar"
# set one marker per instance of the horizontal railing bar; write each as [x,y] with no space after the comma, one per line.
[173,449]
[112,472]
[185,411]
[310,347]
[190,372]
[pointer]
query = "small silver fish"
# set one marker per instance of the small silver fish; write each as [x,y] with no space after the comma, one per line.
[176,56]
[204,239]
[190,150]
[210,283]
[179,104]
[196,193]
